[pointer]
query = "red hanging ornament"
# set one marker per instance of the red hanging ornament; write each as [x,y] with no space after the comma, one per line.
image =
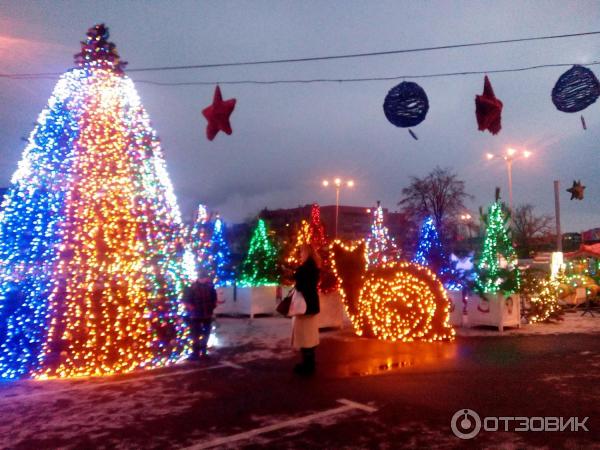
[218,114]
[488,109]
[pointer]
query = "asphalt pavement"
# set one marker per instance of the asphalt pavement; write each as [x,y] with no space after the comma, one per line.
[365,394]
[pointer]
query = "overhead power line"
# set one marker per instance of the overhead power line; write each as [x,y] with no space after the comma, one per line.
[357,80]
[325,58]
[362,55]
[332,80]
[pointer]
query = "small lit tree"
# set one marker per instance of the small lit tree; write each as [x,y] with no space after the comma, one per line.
[220,255]
[497,266]
[200,238]
[311,233]
[430,253]
[259,268]
[292,260]
[381,248]
[541,292]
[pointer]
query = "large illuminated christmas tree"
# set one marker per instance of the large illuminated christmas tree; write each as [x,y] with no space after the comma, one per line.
[259,267]
[497,266]
[91,238]
[381,248]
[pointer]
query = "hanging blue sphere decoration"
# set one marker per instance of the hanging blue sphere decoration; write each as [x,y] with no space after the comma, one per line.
[406,104]
[575,90]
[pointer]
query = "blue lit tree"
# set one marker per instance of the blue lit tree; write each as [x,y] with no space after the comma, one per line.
[210,248]
[220,255]
[430,253]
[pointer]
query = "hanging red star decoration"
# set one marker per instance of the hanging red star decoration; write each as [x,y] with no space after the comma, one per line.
[218,114]
[576,190]
[488,109]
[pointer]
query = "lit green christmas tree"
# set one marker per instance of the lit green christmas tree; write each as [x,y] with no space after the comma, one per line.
[259,268]
[497,265]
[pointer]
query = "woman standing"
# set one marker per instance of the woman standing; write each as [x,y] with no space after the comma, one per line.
[305,328]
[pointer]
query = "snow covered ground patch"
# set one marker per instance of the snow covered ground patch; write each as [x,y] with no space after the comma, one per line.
[573,322]
[61,414]
[266,337]
[269,337]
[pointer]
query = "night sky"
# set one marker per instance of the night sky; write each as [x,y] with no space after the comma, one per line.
[287,138]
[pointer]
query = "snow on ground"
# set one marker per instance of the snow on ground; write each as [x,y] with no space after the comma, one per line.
[265,337]
[573,322]
[97,409]
[269,337]
[569,384]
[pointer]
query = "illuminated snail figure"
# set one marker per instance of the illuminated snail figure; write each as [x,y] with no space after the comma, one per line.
[395,301]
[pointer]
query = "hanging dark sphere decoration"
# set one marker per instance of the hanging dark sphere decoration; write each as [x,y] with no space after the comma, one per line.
[575,90]
[406,105]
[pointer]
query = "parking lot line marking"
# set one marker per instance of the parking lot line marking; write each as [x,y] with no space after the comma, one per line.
[348,405]
[95,384]
[357,405]
[230,364]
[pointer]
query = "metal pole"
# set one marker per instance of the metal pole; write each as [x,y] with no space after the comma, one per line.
[557,214]
[510,196]
[337,207]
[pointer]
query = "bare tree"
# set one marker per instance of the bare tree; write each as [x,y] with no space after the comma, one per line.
[529,228]
[440,195]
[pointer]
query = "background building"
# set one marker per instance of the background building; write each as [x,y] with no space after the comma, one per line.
[354,222]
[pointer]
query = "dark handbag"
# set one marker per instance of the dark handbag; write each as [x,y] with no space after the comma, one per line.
[284,306]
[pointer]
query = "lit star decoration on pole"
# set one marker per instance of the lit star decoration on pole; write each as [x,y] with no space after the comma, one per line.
[91,239]
[259,268]
[218,114]
[381,248]
[576,190]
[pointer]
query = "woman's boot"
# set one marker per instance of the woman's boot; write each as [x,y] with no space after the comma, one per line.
[307,366]
[309,360]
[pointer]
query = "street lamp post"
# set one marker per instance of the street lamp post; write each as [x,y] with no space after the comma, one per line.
[338,183]
[466,219]
[510,156]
